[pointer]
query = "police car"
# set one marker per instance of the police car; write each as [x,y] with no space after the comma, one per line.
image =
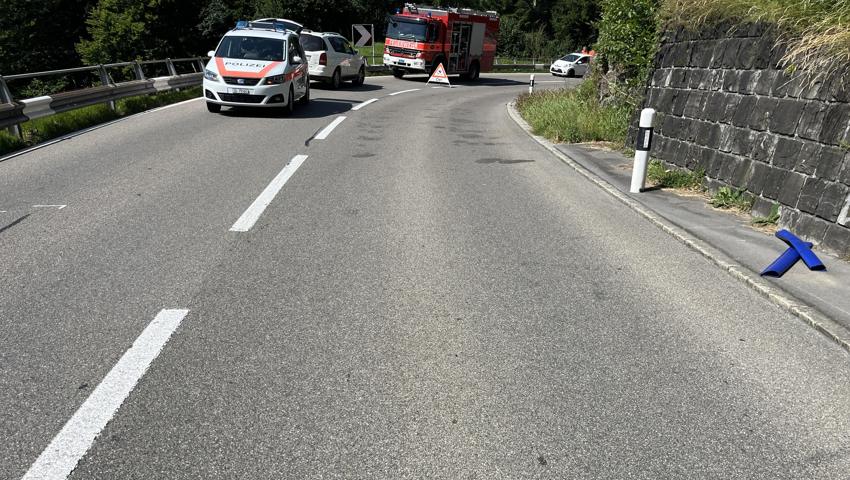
[258,64]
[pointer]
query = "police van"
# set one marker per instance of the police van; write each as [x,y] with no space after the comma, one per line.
[258,64]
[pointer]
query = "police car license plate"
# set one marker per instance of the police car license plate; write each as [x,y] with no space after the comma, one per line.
[246,91]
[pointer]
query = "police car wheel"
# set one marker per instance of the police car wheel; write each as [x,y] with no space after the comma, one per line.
[306,98]
[213,107]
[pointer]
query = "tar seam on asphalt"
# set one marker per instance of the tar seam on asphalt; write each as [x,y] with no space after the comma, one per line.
[14,223]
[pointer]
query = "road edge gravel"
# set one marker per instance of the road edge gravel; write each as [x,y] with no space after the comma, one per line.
[808,314]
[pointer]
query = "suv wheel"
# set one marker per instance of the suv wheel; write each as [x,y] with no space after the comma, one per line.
[361,77]
[335,80]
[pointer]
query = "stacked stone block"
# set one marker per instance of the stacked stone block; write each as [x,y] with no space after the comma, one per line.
[727,106]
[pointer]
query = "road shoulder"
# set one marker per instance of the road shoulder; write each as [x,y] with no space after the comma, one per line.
[814,317]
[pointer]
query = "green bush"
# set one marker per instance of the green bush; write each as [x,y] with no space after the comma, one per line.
[673,178]
[574,115]
[771,219]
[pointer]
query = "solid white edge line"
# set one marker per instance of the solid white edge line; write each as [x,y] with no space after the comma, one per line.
[92,128]
[60,458]
[252,214]
[403,91]
[363,104]
[330,128]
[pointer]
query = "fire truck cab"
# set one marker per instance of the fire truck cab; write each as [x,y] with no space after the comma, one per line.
[420,38]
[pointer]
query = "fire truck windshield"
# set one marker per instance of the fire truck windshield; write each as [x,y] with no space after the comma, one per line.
[407,30]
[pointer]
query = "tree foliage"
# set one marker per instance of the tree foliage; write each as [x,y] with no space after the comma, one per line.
[50,34]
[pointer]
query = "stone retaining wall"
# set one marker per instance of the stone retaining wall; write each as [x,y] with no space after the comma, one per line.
[725,105]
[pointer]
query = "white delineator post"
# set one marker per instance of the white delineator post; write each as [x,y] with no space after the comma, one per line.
[531,84]
[642,146]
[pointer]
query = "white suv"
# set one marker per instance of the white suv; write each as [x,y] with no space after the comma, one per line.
[257,64]
[332,59]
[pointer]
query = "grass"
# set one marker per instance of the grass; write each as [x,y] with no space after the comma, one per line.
[47,128]
[378,59]
[574,115]
[771,219]
[729,198]
[817,31]
[674,178]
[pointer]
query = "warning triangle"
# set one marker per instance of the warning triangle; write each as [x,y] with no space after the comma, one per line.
[439,76]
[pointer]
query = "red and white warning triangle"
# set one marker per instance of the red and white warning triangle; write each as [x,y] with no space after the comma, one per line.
[439,76]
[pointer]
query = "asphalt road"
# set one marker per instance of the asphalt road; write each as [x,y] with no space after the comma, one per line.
[430,295]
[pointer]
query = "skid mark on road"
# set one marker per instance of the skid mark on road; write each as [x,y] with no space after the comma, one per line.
[60,458]
[15,222]
[252,214]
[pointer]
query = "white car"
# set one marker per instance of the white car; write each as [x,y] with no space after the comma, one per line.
[257,64]
[574,64]
[332,59]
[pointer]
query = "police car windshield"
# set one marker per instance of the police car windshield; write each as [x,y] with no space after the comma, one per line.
[251,48]
[402,30]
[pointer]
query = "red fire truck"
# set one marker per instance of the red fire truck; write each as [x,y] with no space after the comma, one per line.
[420,38]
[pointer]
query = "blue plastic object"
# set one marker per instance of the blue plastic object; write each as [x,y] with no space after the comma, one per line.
[242,24]
[782,264]
[804,249]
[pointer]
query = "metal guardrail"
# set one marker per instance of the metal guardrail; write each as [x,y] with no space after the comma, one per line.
[13,111]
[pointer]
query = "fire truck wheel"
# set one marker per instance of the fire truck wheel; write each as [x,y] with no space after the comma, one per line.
[335,79]
[473,72]
[398,73]
[361,77]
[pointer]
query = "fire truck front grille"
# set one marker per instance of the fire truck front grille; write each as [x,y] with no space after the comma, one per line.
[248,82]
[405,52]
[241,98]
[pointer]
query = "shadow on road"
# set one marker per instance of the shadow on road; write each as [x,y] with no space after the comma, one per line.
[318,108]
[347,86]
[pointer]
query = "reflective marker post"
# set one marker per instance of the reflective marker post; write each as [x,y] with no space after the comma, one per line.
[531,84]
[642,146]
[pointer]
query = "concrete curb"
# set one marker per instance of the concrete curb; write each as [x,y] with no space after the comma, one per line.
[810,315]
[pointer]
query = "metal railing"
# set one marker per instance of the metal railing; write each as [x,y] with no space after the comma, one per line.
[15,111]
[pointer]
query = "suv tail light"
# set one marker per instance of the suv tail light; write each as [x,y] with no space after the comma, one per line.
[323,59]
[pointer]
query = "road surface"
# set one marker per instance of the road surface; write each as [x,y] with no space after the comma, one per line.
[429,294]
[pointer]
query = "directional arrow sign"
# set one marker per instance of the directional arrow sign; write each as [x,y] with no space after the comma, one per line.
[365,35]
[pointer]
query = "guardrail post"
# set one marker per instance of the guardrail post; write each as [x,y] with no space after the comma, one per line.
[104,80]
[6,97]
[170,65]
[201,64]
[137,69]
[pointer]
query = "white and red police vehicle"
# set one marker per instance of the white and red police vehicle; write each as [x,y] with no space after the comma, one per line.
[420,38]
[257,64]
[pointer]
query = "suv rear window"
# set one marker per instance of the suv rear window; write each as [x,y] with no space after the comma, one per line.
[251,48]
[312,43]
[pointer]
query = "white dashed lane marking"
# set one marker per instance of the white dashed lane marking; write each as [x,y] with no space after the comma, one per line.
[361,105]
[60,457]
[330,128]
[252,214]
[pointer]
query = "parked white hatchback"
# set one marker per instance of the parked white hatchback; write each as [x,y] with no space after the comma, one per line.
[574,64]
[332,59]
[257,64]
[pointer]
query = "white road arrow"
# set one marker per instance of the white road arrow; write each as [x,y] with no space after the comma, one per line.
[365,36]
